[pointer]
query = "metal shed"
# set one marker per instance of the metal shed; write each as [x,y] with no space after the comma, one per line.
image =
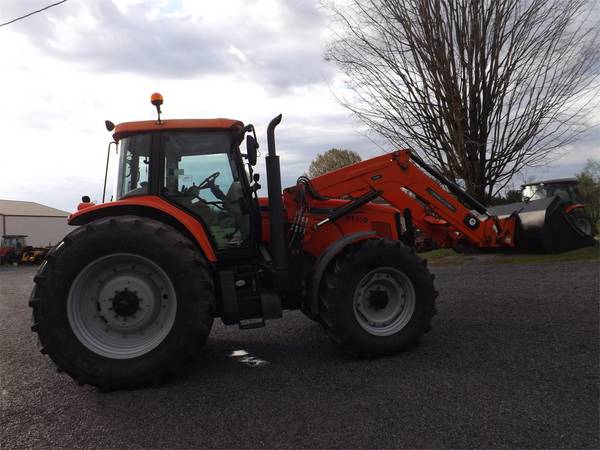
[41,224]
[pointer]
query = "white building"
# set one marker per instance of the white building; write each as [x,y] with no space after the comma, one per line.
[41,224]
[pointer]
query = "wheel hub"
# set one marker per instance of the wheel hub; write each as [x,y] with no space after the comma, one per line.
[125,303]
[384,301]
[378,300]
[584,226]
[121,306]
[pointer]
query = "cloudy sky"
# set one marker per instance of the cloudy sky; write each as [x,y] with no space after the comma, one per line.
[65,70]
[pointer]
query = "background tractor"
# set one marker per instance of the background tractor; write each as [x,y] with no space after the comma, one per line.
[568,193]
[11,247]
[14,250]
[129,295]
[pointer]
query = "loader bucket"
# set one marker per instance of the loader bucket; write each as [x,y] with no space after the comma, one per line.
[543,225]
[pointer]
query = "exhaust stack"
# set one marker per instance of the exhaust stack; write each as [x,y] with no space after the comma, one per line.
[278,245]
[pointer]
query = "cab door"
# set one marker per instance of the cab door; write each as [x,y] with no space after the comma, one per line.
[201,176]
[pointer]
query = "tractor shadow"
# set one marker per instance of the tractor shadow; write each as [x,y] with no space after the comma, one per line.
[276,348]
[456,347]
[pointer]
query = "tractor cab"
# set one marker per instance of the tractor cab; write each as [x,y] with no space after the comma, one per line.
[11,247]
[564,188]
[14,241]
[196,165]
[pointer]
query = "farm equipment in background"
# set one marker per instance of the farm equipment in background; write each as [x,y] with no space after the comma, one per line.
[551,217]
[11,248]
[14,250]
[127,297]
[567,190]
[33,255]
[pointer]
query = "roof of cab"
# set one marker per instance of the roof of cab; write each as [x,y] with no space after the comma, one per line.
[123,129]
[552,181]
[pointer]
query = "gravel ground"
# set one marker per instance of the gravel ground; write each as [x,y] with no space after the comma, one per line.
[512,361]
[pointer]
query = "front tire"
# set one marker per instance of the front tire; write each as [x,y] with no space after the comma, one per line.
[377,298]
[583,222]
[122,302]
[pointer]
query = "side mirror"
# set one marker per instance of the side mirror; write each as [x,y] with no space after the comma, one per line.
[251,149]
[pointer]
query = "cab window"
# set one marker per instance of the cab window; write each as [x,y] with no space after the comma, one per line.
[200,176]
[562,192]
[134,165]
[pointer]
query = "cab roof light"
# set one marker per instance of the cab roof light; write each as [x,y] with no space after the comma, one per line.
[157,99]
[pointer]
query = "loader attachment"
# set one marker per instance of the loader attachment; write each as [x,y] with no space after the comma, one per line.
[543,225]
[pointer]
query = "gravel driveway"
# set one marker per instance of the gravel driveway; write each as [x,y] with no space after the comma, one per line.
[512,361]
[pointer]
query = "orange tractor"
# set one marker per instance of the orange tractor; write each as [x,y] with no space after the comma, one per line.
[132,292]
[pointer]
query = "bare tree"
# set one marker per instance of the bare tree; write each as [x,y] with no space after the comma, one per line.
[332,159]
[480,88]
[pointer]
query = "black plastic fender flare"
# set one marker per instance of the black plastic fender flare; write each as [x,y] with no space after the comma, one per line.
[324,260]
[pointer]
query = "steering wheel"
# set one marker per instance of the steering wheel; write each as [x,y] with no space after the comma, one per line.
[208,181]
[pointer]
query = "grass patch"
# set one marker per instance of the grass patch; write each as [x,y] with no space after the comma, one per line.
[447,256]
[581,254]
[438,254]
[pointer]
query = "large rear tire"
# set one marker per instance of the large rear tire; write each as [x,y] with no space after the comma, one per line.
[377,298]
[122,302]
[583,222]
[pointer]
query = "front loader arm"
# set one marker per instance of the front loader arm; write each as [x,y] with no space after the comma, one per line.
[405,185]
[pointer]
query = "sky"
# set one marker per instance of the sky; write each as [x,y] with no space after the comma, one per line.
[66,70]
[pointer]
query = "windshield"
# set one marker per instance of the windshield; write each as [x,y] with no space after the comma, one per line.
[134,165]
[534,192]
[539,191]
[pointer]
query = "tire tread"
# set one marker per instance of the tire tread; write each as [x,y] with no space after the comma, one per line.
[199,289]
[335,284]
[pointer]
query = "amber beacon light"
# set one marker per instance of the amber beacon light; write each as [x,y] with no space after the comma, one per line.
[157,99]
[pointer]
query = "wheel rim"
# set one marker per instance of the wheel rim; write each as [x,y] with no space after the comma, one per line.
[121,306]
[584,225]
[384,301]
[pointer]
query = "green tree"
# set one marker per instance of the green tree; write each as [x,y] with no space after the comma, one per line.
[332,159]
[589,189]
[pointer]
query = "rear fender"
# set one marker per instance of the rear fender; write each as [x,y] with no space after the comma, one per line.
[573,207]
[324,260]
[155,208]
